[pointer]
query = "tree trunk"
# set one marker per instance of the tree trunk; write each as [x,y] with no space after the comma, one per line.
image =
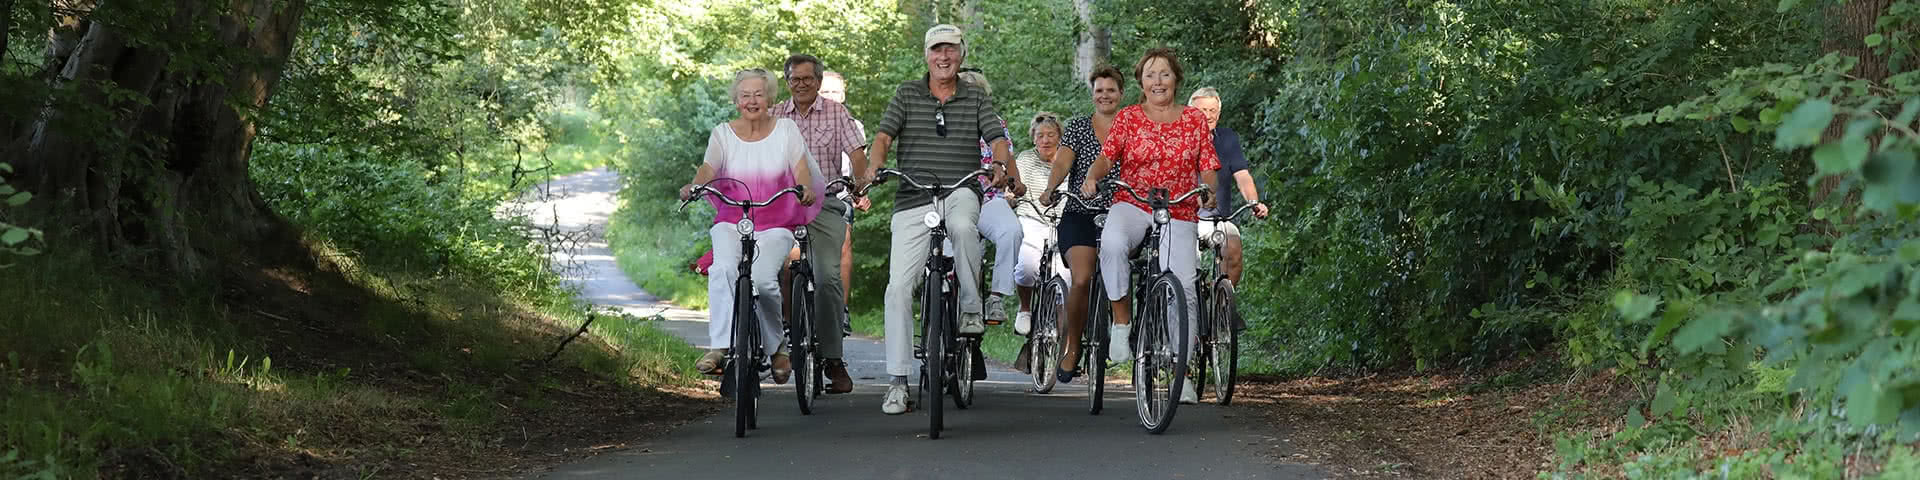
[1094,45]
[1848,25]
[148,158]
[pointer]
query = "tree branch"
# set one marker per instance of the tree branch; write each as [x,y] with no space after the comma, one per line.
[563,343]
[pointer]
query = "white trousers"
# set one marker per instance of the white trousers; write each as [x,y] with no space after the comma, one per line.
[907,260]
[1032,245]
[1126,227]
[1000,226]
[772,245]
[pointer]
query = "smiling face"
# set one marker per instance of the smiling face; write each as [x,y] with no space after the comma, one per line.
[1046,139]
[803,83]
[943,62]
[750,98]
[1209,106]
[1106,95]
[1157,82]
[833,88]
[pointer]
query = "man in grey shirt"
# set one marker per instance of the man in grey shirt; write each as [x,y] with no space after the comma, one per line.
[937,123]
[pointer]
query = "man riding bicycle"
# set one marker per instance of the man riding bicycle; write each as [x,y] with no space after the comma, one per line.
[938,122]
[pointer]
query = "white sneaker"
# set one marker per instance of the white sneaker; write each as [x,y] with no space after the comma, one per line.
[1023,322]
[1187,395]
[1120,343]
[896,401]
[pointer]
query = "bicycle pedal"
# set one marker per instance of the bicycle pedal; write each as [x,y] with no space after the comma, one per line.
[995,322]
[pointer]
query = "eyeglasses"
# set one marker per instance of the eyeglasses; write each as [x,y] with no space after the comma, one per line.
[1044,118]
[940,120]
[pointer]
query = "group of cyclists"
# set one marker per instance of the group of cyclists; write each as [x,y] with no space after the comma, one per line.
[1110,180]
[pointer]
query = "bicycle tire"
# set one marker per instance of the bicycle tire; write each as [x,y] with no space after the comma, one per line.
[1044,356]
[1224,353]
[959,359]
[934,343]
[1160,351]
[1095,352]
[741,370]
[1198,370]
[800,337]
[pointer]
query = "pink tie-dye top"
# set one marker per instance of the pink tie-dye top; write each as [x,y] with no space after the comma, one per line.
[762,168]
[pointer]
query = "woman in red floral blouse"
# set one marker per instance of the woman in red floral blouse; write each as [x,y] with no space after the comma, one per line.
[1160,144]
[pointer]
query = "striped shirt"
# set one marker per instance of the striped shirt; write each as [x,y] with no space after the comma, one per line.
[1034,172]
[830,131]
[912,119]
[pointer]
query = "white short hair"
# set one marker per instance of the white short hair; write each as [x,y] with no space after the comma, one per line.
[743,75]
[1204,92]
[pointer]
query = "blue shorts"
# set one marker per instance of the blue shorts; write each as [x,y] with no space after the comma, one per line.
[1077,230]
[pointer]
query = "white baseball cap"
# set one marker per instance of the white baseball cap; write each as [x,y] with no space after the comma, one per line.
[945,33]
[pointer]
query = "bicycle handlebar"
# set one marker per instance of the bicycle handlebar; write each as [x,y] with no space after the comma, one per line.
[1121,185]
[1229,217]
[881,177]
[707,190]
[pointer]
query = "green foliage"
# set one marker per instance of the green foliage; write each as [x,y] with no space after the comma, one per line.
[15,239]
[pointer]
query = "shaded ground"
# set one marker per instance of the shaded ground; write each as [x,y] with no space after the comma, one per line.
[1496,423]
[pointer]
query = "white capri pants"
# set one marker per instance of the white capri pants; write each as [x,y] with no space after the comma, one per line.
[1126,227]
[1032,245]
[1000,226]
[773,245]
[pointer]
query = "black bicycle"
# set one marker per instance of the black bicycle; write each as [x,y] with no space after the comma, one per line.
[946,356]
[1092,361]
[1043,341]
[1218,351]
[809,368]
[745,358]
[1159,318]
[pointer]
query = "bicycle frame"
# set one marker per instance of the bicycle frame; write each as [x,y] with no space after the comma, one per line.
[743,365]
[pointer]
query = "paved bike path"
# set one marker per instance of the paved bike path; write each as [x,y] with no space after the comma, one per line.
[1008,433]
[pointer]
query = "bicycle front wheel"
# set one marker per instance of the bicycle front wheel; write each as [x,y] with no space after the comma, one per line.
[933,314]
[1099,314]
[1224,345]
[1044,355]
[1160,351]
[743,370]
[800,338]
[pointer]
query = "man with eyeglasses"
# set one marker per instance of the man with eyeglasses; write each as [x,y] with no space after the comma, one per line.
[936,122]
[830,133]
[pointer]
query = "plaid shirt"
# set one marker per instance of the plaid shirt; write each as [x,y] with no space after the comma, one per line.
[830,131]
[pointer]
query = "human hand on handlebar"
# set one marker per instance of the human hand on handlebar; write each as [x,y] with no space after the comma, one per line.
[805,194]
[1259,210]
[1088,189]
[686,192]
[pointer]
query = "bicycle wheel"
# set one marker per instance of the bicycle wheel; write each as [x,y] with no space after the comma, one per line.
[1094,350]
[1202,350]
[1160,350]
[1224,346]
[1044,354]
[933,371]
[741,372]
[960,357]
[800,351]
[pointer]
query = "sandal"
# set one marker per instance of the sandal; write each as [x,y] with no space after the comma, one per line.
[782,368]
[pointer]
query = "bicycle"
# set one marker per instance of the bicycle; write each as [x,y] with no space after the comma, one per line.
[943,371]
[742,384]
[1219,346]
[1159,318]
[809,369]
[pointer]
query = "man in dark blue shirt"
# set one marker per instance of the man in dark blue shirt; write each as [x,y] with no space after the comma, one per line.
[1233,171]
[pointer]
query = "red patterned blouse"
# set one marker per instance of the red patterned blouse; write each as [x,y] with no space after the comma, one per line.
[1161,155]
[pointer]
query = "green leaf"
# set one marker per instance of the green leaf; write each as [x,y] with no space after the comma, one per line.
[1664,400]
[1634,418]
[1741,125]
[1804,126]
[19,198]
[13,236]
[1700,332]
[1910,251]
[1869,404]
[1875,39]
[1786,5]
[1634,306]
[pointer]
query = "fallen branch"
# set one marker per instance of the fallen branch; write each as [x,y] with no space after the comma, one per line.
[563,343]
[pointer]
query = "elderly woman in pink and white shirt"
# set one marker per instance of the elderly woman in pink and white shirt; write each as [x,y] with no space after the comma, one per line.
[765,155]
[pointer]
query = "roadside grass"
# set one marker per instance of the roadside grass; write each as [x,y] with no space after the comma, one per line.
[655,250]
[287,370]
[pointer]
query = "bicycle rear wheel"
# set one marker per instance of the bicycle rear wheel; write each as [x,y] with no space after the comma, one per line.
[1160,350]
[1224,346]
[742,369]
[1198,369]
[1099,314]
[1044,354]
[800,338]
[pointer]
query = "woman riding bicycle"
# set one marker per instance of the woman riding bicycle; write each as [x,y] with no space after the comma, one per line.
[753,156]
[1077,235]
[1160,145]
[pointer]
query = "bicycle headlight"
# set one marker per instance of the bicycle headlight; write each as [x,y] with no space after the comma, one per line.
[1100,221]
[932,219]
[745,226]
[1218,238]
[800,233]
[1162,216]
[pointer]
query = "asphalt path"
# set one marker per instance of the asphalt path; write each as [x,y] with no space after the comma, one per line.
[1009,432]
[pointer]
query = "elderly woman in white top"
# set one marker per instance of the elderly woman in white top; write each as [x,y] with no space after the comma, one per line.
[1036,220]
[755,155]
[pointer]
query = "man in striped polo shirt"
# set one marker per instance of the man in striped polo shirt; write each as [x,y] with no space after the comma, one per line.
[937,123]
[830,132]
